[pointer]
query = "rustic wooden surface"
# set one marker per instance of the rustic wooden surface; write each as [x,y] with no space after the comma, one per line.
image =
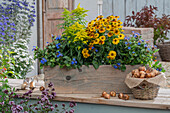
[89,81]
[52,11]
[160,102]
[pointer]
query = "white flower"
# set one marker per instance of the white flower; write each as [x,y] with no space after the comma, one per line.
[32,67]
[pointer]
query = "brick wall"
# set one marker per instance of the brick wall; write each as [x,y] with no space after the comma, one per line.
[146,33]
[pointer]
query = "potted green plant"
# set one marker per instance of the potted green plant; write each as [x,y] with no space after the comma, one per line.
[88,57]
[146,17]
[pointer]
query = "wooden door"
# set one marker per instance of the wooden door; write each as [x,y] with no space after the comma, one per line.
[52,11]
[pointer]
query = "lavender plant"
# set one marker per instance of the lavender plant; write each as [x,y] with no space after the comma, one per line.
[43,105]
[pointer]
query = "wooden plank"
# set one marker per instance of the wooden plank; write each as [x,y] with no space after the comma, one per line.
[107,8]
[131,6]
[160,102]
[105,78]
[57,4]
[141,4]
[119,9]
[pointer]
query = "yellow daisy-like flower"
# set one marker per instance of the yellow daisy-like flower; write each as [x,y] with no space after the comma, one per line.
[110,34]
[105,23]
[104,20]
[91,35]
[98,26]
[92,42]
[112,55]
[102,38]
[95,20]
[100,16]
[96,35]
[85,51]
[112,29]
[101,42]
[115,41]
[117,32]
[92,29]
[114,20]
[86,55]
[108,27]
[102,30]
[116,16]
[121,36]
[96,41]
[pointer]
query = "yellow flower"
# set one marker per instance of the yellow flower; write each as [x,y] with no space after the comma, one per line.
[101,42]
[85,51]
[108,27]
[92,42]
[98,26]
[100,16]
[110,34]
[92,29]
[96,41]
[121,36]
[117,31]
[112,55]
[115,41]
[105,23]
[102,38]
[102,30]
[79,47]
[116,16]
[95,20]
[86,55]
[96,35]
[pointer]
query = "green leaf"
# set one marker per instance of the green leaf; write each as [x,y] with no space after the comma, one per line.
[95,64]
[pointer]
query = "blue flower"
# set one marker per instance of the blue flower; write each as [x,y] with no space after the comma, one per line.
[44,59]
[118,64]
[57,45]
[96,50]
[139,43]
[160,69]
[148,49]
[142,40]
[145,45]
[47,42]
[133,32]
[126,42]
[59,55]
[155,46]
[58,37]
[34,47]
[133,52]
[92,47]
[129,47]
[72,62]
[42,62]
[115,66]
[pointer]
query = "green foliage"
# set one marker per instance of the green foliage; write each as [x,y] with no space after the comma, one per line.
[147,17]
[70,17]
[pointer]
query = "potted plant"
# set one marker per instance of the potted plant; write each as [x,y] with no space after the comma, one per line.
[146,17]
[84,58]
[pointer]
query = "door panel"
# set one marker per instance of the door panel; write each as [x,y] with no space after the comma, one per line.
[52,11]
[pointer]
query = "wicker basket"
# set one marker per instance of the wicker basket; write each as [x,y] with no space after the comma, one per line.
[164,51]
[145,91]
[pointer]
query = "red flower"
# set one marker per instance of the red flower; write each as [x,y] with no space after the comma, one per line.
[5,69]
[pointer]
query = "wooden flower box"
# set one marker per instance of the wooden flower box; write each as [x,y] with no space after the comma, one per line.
[88,80]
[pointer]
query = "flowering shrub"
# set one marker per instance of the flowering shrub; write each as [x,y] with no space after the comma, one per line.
[43,104]
[146,17]
[16,19]
[23,61]
[102,42]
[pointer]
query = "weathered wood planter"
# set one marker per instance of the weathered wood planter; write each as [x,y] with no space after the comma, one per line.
[88,80]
